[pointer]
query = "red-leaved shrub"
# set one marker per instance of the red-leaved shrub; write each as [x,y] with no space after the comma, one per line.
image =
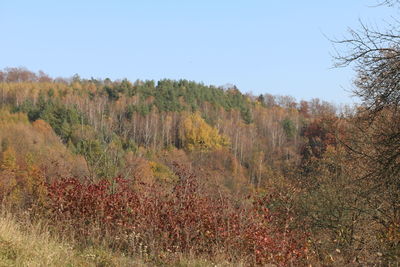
[183,220]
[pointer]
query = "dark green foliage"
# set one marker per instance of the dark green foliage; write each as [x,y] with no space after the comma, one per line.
[167,96]
[111,92]
[91,149]
[175,96]
[129,145]
[116,89]
[261,99]
[50,93]
[142,108]
[60,117]
[104,159]
[126,87]
[145,89]
[289,128]
[129,110]
[246,115]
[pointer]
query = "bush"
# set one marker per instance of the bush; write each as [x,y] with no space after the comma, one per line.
[161,225]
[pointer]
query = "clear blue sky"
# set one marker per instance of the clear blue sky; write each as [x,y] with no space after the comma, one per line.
[262,46]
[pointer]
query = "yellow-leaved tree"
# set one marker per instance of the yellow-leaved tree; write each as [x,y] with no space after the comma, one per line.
[197,135]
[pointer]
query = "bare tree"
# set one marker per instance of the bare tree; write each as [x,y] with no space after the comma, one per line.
[390,2]
[374,142]
[375,54]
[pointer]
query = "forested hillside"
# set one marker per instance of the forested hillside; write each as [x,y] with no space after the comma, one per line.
[118,128]
[166,170]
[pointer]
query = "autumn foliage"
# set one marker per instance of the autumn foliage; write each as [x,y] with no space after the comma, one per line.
[164,224]
[196,134]
[171,169]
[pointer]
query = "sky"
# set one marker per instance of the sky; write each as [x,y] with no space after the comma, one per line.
[278,47]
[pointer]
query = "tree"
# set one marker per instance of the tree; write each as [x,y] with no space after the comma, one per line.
[375,55]
[198,135]
[289,128]
[374,139]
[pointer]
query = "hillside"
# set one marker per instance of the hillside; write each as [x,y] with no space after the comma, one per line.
[115,124]
[172,172]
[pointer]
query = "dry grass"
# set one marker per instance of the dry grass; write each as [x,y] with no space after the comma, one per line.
[35,247]
[32,245]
